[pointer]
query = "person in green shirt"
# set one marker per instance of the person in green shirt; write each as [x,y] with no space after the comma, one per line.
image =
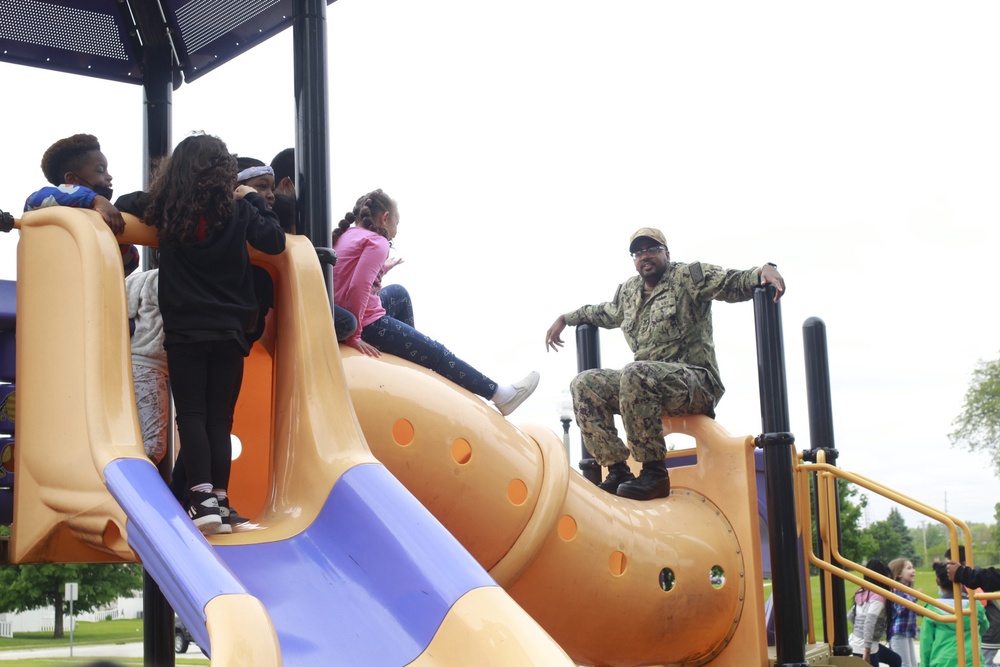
[938,642]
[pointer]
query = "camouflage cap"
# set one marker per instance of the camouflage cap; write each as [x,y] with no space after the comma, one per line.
[647,233]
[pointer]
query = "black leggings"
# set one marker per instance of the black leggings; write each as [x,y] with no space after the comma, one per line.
[206,379]
[884,656]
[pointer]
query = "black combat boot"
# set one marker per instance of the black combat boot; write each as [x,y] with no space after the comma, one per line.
[652,482]
[617,473]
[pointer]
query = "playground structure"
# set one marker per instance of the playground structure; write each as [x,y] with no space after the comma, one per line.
[557,567]
[347,562]
[402,521]
[327,508]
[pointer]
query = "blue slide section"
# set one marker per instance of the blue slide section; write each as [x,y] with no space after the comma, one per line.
[367,583]
[172,550]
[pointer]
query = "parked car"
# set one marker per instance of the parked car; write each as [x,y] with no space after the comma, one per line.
[182,638]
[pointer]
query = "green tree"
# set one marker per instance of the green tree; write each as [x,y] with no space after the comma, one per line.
[978,425]
[906,548]
[855,543]
[996,528]
[937,541]
[886,540]
[982,543]
[24,587]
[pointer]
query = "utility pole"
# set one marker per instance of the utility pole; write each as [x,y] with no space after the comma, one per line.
[923,528]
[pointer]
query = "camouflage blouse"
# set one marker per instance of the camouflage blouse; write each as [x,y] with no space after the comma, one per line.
[675,323]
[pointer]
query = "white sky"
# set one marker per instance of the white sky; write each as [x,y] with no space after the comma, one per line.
[853,144]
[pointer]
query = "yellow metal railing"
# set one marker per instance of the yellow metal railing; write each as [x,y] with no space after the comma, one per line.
[825,475]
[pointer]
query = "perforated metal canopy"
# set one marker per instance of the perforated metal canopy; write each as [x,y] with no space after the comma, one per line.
[110,39]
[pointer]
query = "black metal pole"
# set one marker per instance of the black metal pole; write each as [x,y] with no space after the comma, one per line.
[588,356]
[312,147]
[157,614]
[821,438]
[779,447]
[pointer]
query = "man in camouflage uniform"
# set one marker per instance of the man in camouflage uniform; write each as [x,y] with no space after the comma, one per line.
[666,315]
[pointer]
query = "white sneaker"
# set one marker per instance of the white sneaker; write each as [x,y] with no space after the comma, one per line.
[522,390]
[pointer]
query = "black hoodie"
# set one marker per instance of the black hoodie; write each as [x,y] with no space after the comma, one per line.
[207,288]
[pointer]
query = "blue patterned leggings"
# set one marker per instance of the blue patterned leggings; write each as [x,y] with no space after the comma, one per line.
[394,334]
[396,301]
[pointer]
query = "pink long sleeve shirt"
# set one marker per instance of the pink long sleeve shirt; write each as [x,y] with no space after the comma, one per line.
[357,275]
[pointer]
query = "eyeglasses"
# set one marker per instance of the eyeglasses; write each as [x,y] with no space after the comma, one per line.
[651,250]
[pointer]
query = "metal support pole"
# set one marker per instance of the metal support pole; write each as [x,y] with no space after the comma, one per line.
[779,447]
[588,356]
[821,438]
[312,146]
[157,614]
[157,119]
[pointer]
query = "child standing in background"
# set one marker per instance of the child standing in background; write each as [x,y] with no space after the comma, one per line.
[985,580]
[903,630]
[938,645]
[149,361]
[208,306]
[78,171]
[871,615]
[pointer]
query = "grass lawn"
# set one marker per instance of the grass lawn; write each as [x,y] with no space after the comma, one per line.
[104,632]
[924,582]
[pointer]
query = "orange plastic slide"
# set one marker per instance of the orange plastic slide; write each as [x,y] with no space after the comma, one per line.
[346,568]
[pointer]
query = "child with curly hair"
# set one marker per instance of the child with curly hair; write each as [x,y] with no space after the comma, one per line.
[208,306]
[362,241]
[78,172]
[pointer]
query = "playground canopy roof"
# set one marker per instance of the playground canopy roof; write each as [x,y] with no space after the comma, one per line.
[110,39]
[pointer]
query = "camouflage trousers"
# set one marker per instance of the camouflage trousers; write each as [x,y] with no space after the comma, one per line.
[642,393]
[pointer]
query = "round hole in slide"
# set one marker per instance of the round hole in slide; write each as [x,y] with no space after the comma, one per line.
[461,451]
[717,577]
[567,527]
[517,492]
[402,432]
[617,563]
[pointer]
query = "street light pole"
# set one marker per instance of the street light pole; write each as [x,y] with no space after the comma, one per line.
[564,406]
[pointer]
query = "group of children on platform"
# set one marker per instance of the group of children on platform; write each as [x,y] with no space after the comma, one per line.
[195,318]
[874,616]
